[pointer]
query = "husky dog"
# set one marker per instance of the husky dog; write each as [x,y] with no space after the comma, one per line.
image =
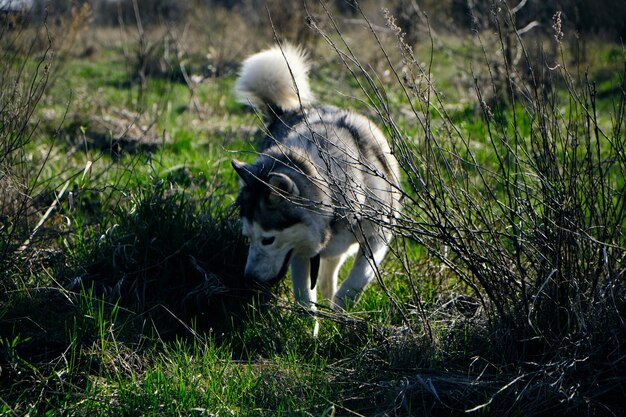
[324,185]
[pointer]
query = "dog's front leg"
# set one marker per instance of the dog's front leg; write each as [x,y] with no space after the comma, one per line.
[301,282]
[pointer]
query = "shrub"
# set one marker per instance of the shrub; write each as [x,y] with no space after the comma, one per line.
[23,80]
[528,213]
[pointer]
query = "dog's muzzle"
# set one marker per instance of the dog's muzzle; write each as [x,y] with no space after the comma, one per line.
[273,281]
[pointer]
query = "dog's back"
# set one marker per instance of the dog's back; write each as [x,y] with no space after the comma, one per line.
[348,150]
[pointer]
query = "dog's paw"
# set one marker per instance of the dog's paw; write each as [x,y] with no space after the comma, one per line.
[345,298]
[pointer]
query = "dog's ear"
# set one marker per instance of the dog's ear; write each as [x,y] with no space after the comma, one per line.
[244,171]
[282,185]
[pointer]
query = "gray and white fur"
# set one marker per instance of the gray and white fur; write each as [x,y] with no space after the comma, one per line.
[324,185]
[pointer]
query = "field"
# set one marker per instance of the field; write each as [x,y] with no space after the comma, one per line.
[121,258]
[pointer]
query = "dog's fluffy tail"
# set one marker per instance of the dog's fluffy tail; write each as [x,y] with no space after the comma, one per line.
[275,79]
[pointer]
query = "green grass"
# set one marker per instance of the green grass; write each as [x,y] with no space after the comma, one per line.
[186,378]
[131,299]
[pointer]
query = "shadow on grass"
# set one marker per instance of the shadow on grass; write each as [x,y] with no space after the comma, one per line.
[170,267]
[178,261]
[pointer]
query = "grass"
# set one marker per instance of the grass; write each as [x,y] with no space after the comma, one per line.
[130,300]
[189,378]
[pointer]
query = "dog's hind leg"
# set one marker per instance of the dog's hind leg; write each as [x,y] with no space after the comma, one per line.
[362,273]
[329,270]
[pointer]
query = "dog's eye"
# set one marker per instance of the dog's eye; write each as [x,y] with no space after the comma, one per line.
[267,241]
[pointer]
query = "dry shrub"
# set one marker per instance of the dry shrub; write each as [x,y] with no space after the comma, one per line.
[68,32]
[222,37]
[24,77]
[286,20]
[33,55]
[529,216]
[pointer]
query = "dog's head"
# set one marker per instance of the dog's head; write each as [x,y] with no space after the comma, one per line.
[277,218]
